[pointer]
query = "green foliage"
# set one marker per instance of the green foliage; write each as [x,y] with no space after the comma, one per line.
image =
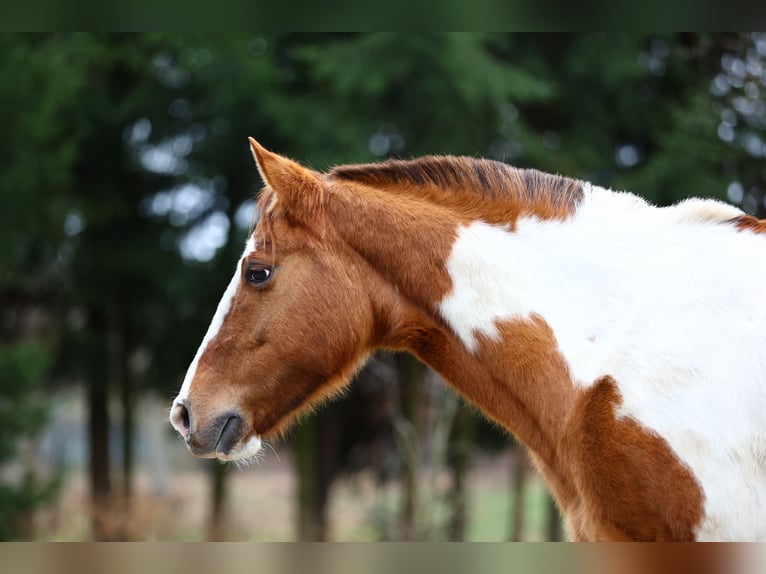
[23,410]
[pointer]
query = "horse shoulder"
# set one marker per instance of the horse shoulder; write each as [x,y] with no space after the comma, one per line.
[630,482]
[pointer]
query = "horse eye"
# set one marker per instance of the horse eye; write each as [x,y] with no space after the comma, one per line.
[257,275]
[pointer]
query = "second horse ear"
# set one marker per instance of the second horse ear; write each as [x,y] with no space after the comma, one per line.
[299,190]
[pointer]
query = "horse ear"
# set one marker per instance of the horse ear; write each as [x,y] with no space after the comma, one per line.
[298,189]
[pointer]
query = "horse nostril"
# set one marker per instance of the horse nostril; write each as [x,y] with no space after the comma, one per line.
[180,419]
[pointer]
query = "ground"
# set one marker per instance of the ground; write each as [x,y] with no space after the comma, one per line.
[261,506]
[172,490]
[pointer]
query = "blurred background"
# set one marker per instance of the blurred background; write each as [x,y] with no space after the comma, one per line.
[127,189]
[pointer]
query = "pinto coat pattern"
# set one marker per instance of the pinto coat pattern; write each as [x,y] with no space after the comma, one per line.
[623,344]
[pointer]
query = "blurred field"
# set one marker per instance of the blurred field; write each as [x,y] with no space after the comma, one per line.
[171,499]
[261,506]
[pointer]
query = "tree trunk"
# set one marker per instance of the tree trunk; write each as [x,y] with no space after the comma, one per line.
[309,528]
[519,481]
[128,432]
[555,526]
[120,379]
[128,435]
[411,377]
[100,483]
[317,443]
[326,445]
[462,428]
[217,530]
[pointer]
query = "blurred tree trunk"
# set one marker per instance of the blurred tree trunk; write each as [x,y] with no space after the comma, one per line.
[309,524]
[216,530]
[128,440]
[119,379]
[327,443]
[128,436]
[99,464]
[461,439]
[411,376]
[316,447]
[520,471]
[108,524]
[555,526]
[305,457]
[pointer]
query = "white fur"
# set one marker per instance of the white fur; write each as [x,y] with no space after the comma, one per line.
[245,453]
[670,302]
[215,325]
[252,447]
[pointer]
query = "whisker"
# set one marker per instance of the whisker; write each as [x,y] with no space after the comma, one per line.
[265,443]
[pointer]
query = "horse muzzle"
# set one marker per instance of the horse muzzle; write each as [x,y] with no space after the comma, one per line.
[217,438]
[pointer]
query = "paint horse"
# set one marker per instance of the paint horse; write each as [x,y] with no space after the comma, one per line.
[623,344]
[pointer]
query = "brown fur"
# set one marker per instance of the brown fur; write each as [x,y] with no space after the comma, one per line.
[612,479]
[300,189]
[476,188]
[359,260]
[275,349]
[637,487]
[750,223]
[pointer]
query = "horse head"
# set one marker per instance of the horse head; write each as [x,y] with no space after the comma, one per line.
[294,323]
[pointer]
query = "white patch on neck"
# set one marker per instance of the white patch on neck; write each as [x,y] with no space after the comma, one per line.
[218,318]
[670,302]
[486,287]
[578,273]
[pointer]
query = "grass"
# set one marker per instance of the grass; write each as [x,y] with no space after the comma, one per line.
[260,506]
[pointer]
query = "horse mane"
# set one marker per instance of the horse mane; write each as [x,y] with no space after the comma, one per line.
[466,183]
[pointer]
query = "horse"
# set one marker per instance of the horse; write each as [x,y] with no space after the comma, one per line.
[623,344]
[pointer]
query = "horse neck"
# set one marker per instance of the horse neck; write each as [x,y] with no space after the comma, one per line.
[469,273]
[405,240]
[524,319]
[423,252]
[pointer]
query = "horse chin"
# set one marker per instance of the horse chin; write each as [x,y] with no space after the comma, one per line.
[244,453]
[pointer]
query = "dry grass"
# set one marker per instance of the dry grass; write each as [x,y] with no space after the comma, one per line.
[260,506]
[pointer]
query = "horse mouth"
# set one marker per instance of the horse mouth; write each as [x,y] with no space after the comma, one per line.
[243,453]
[231,446]
[226,438]
[230,434]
